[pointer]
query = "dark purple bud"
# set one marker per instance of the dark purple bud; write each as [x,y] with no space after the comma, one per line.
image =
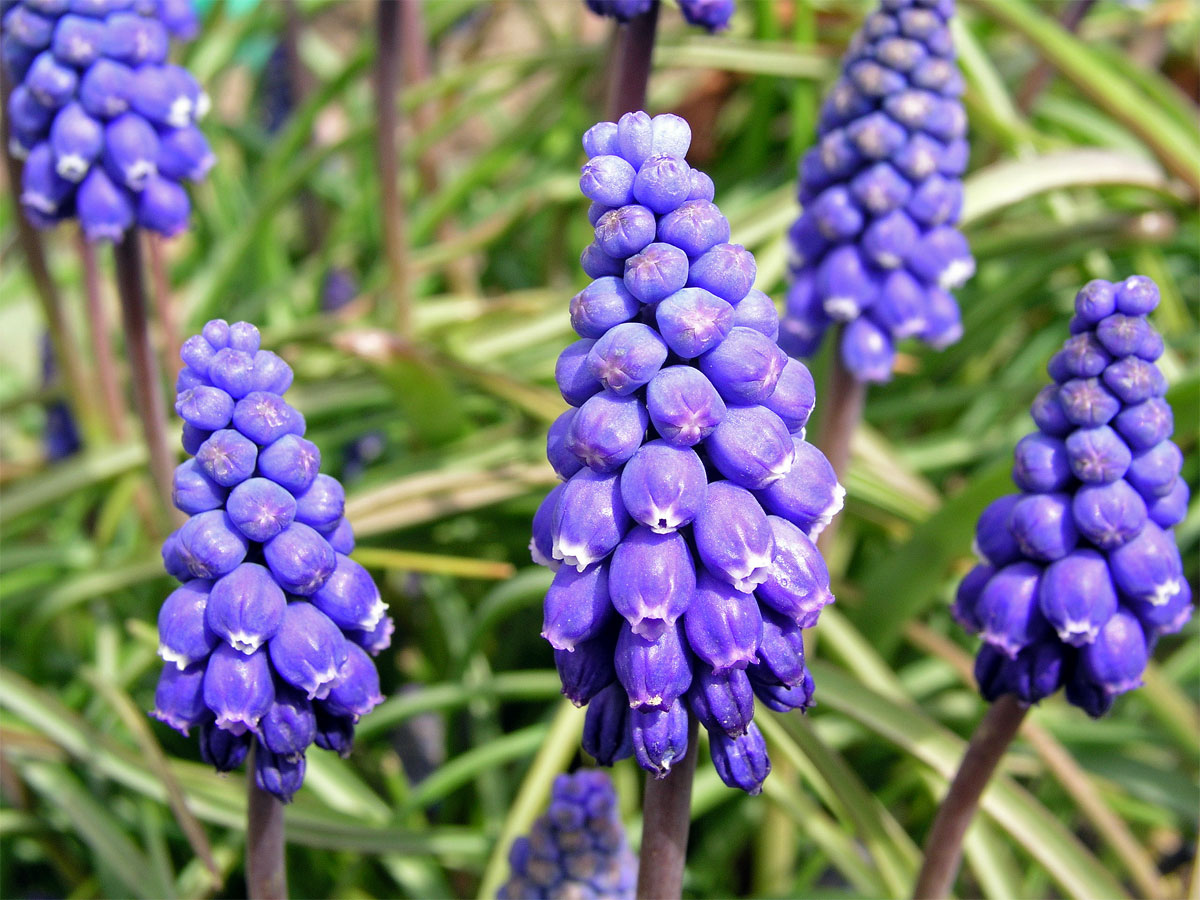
[43,190]
[193,492]
[601,305]
[356,690]
[300,559]
[28,119]
[733,537]
[1133,380]
[260,508]
[845,283]
[232,371]
[798,586]
[1166,618]
[781,698]
[663,486]
[722,701]
[875,135]
[1137,295]
[238,688]
[1043,526]
[216,332]
[1154,472]
[654,673]
[1048,413]
[1117,657]
[1095,301]
[163,95]
[809,496]
[577,607]
[184,154]
[694,227]
[222,750]
[757,311]
[265,418]
[662,183]
[880,189]
[134,39]
[589,519]
[943,322]
[943,257]
[683,404]
[210,544]
[341,538]
[377,639]
[1144,425]
[745,367]
[601,140]
[308,651]
[244,336]
[204,407]
[291,462]
[724,626]
[571,374]
[780,653]
[807,244]
[1110,514]
[586,670]
[541,543]
[227,457]
[607,430]
[51,82]
[1148,567]
[290,725]
[1007,609]
[626,357]
[652,580]
[659,737]
[1087,695]
[1041,464]
[189,378]
[656,272]
[335,733]
[994,541]
[608,180]
[245,607]
[605,727]
[751,447]
[598,264]
[693,321]
[1097,455]
[967,596]
[279,775]
[938,200]
[163,206]
[837,214]
[742,761]
[105,209]
[702,186]
[270,373]
[919,157]
[1151,346]
[726,270]
[623,232]
[104,89]
[1077,596]
[562,460]
[77,140]
[130,150]
[794,396]
[179,698]
[183,636]
[23,25]
[1087,403]
[888,240]
[1170,509]
[1036,673]
[867,350]
[173,560]
[322,505]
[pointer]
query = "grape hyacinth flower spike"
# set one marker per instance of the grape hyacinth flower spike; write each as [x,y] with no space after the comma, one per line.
[1079,574]
[876,248]
[106,126]
[577,848]
[713,15]
[682,536]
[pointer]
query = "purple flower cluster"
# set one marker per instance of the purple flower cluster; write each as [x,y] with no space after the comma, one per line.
[577,848]
[268,637]
[711,14]
[876,247]
[682,536]
[1080,573]
[105,125]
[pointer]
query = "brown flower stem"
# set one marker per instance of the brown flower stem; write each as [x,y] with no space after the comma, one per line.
[666,817]
[388,66]
[943,846]
[147,383]
[164,307]
[1039,76]
[630,63]
[266,870]
[843,403]
[106,367]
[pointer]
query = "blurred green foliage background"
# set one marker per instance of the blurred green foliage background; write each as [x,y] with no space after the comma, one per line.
[441,445]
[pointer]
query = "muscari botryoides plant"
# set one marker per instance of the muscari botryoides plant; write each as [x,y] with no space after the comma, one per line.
[682,534]
[267,640]
[1080,574]
[577,848]
[876,247]
[711,14]
[104,123]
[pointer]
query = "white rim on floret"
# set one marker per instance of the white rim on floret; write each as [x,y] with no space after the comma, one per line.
[71,166]
[834,507]
[844,309]
[139,173]
[375,615]
[758,569]
[956,274]
[180,113]
[322,683]
[1072,630]
[576,555]
[244,642]
[17,150]
[181,660]
[540,559]
[40,202]
[202,105]
[1164,591]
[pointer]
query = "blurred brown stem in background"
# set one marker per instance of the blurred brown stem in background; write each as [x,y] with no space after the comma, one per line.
[388,66]
[1039,76]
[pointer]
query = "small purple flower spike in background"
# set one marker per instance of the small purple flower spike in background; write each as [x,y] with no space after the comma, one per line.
[1079,574]
[875,247]
[711,14]
[268,641]
[577,848]
[682,538]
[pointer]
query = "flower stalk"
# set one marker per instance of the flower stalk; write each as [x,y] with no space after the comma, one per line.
[266,872]
[632,60]
[667,816]
[843,412]
[388,68]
